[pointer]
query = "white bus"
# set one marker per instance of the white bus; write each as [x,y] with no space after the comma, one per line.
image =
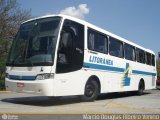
[59,55]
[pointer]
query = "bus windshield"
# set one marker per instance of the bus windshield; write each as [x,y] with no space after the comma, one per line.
[35,43]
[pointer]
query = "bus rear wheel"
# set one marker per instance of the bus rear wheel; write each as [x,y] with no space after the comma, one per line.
[92,90]
[140,88]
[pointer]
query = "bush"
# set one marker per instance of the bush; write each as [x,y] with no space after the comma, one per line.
[2,84]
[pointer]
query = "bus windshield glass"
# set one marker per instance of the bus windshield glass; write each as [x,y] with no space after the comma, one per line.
[35,43]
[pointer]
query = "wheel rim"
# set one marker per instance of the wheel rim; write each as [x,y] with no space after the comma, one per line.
[90,89]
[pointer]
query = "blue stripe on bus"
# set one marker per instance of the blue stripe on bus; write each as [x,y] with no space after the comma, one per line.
[114,69]
[143,73]
[16,77]
[102,67]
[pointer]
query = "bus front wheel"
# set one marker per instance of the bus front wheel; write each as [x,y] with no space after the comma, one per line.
[91,91]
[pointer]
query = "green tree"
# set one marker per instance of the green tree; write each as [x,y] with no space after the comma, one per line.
[11,16]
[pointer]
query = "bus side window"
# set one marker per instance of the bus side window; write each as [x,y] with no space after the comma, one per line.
[115,47]
[97,41]
[91,41]
[140,55]
[129,52]
[153,60]
[148,58]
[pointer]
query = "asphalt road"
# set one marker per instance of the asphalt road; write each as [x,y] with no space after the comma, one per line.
[114,103]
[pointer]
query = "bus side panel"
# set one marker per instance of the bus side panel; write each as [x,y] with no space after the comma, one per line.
[144,72]
[71,83]
[122,75]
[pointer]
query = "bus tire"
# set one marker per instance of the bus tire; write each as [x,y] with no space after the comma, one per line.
[140,88]
[91,92]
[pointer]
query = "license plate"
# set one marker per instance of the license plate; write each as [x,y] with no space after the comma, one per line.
[20,84]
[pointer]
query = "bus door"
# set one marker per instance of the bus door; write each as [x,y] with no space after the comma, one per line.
[71,47]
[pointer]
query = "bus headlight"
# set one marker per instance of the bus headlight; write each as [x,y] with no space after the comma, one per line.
[44,76]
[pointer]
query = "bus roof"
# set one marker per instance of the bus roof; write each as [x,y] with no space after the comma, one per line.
[95,28]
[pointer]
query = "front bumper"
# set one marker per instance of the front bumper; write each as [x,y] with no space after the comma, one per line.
[40,87]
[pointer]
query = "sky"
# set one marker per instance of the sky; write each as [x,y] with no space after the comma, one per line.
[135,20]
